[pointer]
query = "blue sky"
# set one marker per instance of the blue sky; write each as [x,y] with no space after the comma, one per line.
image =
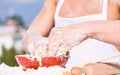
[28,9]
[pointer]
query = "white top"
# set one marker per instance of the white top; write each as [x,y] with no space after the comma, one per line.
[90,49]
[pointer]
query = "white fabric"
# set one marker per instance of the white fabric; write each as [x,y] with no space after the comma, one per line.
[91,49]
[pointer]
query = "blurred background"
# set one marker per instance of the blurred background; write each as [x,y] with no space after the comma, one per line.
[15,18]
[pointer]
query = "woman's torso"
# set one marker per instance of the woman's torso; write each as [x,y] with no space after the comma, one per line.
[69,10]
[91,49]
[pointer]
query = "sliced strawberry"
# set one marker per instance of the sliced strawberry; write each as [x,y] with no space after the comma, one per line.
[27,61]
[53,61]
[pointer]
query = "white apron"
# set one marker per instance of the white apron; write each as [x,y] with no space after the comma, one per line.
[91,49]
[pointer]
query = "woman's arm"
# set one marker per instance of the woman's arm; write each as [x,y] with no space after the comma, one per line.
[64,38]
[40,28]
[107,31]
[44,20]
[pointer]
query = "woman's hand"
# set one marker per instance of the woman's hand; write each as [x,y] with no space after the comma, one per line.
[102,68]
[62,39]
[95,69]
[35,44]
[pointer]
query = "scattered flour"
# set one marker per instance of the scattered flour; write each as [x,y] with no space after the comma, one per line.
[7,70]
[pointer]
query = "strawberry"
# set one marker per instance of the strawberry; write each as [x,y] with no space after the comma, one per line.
[27,61]
[52,61]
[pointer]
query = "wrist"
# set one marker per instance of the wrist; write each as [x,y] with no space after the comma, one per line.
[86,28]
[83,34]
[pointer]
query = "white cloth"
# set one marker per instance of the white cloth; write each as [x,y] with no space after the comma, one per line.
[91,49]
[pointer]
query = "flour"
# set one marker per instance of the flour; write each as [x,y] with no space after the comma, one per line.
[17,70]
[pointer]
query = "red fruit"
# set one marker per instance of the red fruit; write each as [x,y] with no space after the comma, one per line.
[27,61]
[52,61]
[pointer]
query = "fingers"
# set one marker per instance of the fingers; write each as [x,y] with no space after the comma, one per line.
[28,41]
[74,71]
[57,44]
[54,42]
[64,49]
[89,69]
[31,48]
[77,71]
[66,73]
[41,50]
[41,46]
[36,45]
[53,46]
